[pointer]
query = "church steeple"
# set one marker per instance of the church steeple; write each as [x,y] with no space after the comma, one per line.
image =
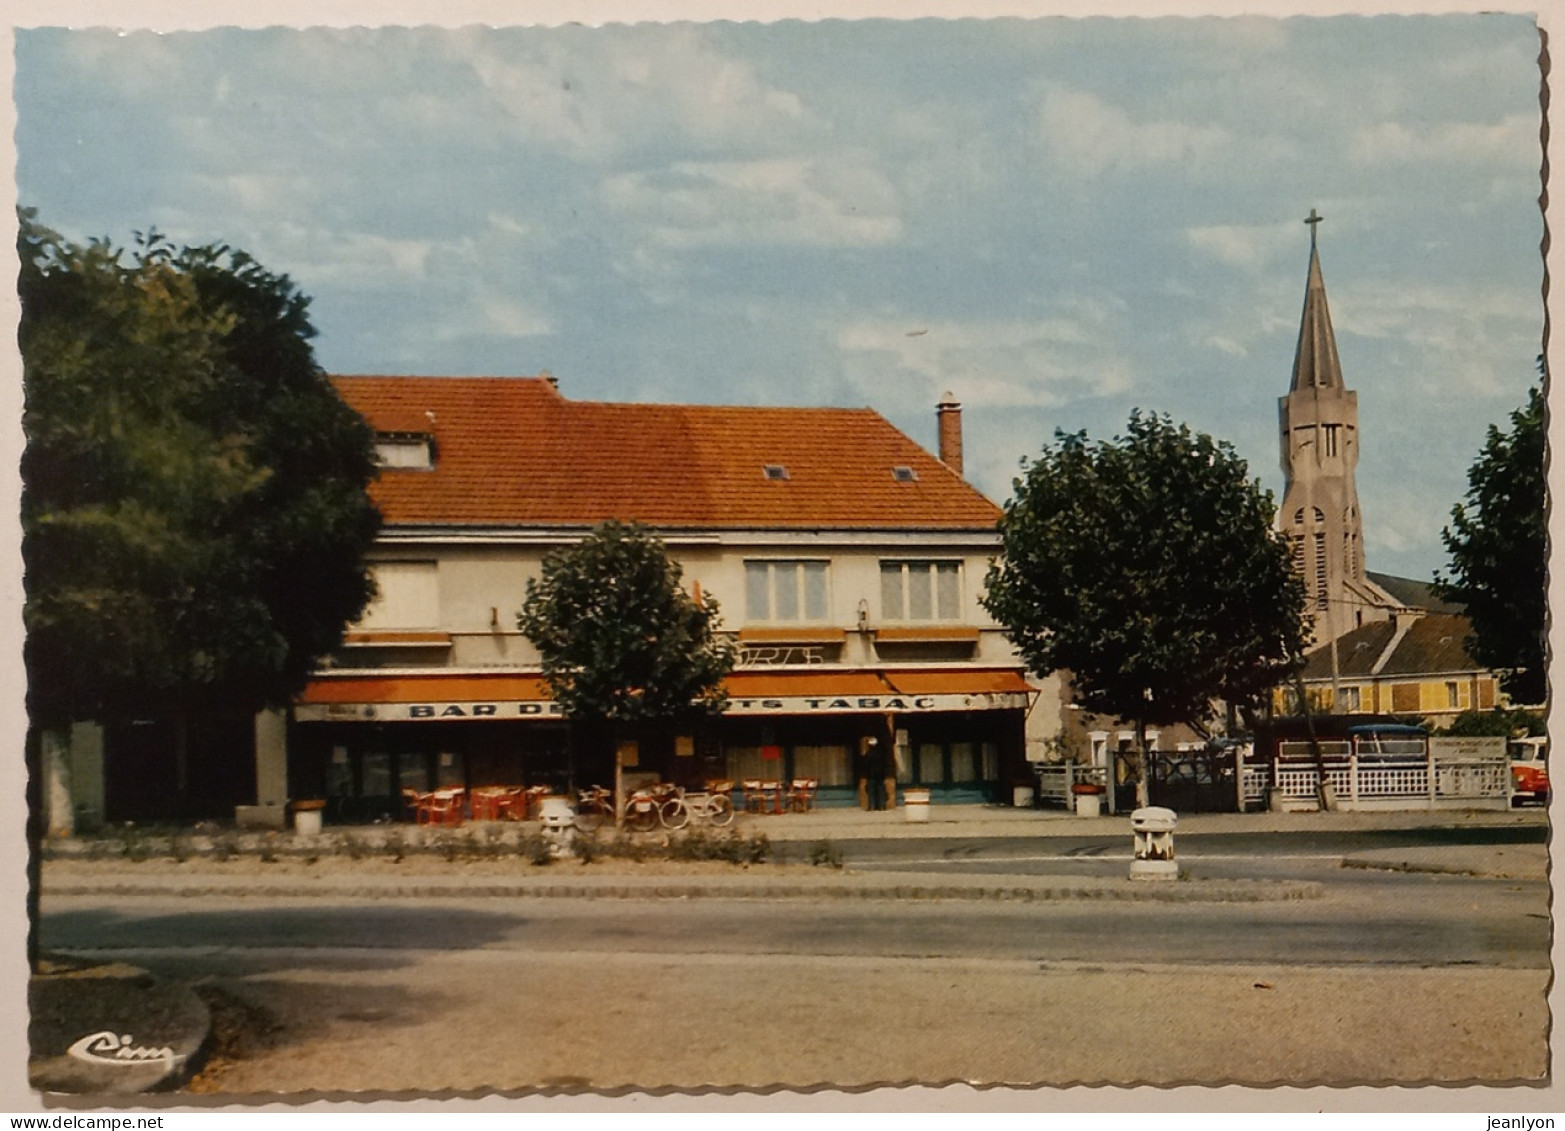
[1315,364]
[1320,509]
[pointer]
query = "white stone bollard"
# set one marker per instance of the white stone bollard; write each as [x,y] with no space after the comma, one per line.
[1152,829]
[559,823]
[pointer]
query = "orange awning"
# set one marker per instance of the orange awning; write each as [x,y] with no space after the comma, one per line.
[927,634]
[804,635]
[500,695]
[424,688]
[757,684]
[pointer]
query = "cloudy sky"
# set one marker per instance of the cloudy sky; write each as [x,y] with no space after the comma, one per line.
[1057,220]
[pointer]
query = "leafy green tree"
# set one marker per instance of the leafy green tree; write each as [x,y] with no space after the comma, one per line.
[1497,542]
[195,504]
[621,641]
[1498,722]
[1148,568]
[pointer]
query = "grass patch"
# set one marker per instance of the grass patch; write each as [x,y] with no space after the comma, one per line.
[732,846]
[824,853]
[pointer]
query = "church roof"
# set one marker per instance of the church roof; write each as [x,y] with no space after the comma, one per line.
[1413,594]
[511,451]
[1315,364]
[1431,644]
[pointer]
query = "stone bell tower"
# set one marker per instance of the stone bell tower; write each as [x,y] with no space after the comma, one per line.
[1320,449]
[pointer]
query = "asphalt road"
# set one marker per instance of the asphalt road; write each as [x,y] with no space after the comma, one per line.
[1420,979]
[1242,855]
[1387,977]
[1384,978]
[1365,918]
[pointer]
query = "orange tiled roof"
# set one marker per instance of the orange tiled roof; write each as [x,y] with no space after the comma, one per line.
[511,451]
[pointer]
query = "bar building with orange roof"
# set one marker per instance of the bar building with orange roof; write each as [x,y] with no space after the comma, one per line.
[847,560]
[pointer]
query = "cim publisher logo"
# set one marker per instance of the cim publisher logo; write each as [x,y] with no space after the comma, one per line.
[108,1047]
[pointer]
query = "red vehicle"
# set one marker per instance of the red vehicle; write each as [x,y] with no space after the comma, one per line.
[1529,770]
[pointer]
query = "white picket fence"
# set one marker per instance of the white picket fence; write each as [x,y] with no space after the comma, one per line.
[1055,781]
[1395,779]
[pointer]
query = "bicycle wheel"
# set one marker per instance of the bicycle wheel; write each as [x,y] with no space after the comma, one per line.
[590,817]
[674,813]
[641,818]
[720,810]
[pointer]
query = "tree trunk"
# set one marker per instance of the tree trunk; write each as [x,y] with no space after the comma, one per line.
[1143,793]
[59,810]
[1309,730]
[33,747]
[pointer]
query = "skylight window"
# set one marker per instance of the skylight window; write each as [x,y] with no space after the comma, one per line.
[903,474]
[413,450]
[774,471]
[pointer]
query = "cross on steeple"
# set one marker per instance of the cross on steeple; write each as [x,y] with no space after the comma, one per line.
[1313,219]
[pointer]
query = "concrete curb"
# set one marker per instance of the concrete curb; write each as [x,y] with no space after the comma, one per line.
[840,826]
[907,887]
[1501,862]
[110,1029]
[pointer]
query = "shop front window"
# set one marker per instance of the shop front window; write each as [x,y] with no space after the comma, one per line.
[339,773]
[962,762]
[375,774]
[830,764]
[931,763]
[412,774]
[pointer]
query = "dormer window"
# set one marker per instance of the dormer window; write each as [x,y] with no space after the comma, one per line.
[903,474]
[405,450]
[774,471]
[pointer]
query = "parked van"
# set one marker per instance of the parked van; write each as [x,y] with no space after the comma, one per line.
[1529,770]
[1389,742]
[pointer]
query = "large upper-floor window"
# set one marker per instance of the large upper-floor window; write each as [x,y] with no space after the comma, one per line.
[921,590]
[408,596]
[785,590]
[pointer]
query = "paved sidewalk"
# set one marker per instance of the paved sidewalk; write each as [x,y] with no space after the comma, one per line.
[1004,821]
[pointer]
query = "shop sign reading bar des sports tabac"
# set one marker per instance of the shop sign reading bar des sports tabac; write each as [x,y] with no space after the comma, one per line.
[547,709]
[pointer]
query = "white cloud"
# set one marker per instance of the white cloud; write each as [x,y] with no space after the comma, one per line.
[1467,343]
[359,259]
[1227,345]
[988,363]
[1402,518]
[838,202]
[511,226]
[1090,136]
[509,318]
[610,91]
[1251,247]
[1478,143]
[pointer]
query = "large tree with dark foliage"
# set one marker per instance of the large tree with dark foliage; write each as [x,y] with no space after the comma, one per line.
[194,505]
[1148,568]
[1498,546]
[621,640]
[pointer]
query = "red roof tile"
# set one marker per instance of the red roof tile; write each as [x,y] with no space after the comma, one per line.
[511,451]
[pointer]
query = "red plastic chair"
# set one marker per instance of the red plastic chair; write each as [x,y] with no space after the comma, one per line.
[443,807]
